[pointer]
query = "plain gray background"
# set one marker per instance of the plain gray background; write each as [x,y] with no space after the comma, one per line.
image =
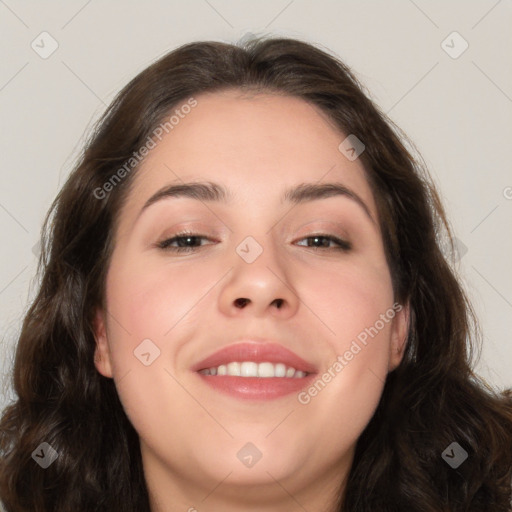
[455,103]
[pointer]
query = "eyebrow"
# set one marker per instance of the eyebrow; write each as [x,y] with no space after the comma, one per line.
[214,192]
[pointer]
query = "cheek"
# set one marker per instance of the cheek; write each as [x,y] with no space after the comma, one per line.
[149,303]
[355,306]
[144,308]
[349,299]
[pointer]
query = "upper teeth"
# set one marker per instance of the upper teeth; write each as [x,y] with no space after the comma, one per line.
[252,369]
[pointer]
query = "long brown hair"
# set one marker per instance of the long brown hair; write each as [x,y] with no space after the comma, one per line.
[430,401]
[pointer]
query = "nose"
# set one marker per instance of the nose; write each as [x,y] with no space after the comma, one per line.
[260,288]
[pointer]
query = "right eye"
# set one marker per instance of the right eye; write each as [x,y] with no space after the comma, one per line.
[186,242]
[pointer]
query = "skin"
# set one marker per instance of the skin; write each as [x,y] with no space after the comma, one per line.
[190,434]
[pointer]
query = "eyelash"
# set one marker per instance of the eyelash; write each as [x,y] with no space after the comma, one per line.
[165,244]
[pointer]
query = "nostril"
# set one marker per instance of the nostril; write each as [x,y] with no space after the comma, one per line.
[279,303]
[241,302]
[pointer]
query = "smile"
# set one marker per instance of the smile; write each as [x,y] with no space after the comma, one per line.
[253,369]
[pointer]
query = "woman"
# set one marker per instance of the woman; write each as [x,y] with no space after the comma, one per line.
[188,351]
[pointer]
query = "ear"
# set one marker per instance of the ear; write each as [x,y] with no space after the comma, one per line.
[399,334]
[102,351]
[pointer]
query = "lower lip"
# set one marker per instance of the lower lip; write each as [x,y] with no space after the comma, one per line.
[256,388]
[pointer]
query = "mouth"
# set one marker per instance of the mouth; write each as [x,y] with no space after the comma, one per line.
[255,371]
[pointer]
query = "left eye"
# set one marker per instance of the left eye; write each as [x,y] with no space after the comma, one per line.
[343,245]
[189,242]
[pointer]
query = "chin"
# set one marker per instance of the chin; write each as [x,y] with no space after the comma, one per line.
[251,458]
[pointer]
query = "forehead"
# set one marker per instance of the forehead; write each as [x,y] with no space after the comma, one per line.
[256,145]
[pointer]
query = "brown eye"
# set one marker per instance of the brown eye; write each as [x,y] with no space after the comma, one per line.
[186,242]
[320,239]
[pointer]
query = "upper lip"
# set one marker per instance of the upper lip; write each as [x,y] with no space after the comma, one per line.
[257,352]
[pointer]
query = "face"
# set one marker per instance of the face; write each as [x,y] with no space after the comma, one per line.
[306,273]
